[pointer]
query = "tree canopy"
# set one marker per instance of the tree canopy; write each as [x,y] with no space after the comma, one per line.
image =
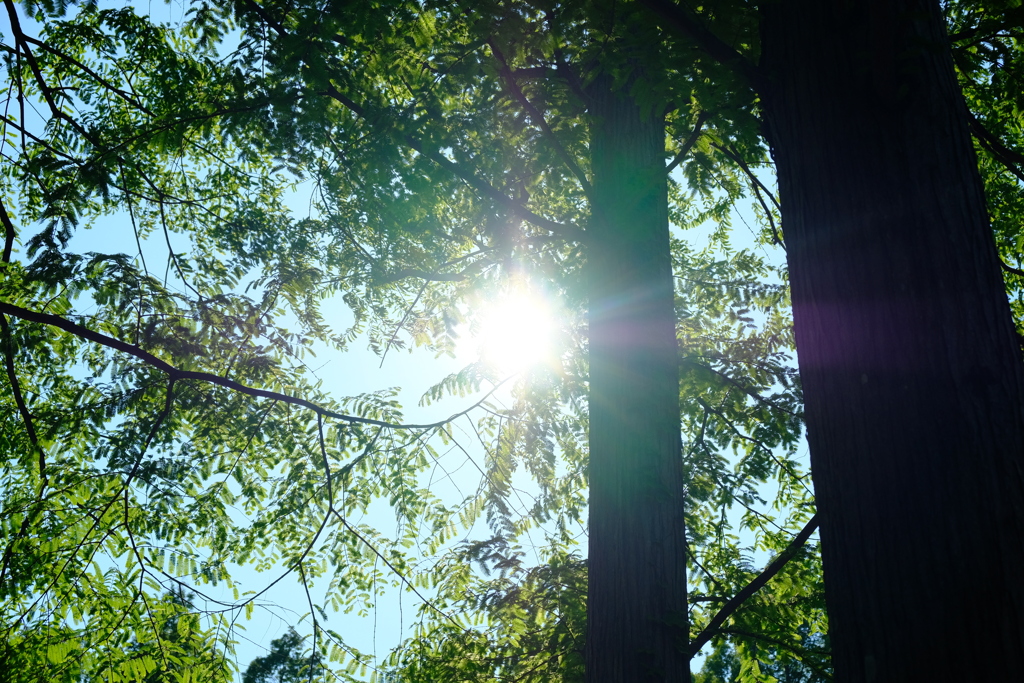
[161,424]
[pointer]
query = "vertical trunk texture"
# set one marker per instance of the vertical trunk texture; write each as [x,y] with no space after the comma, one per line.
[637,592]
[910,365]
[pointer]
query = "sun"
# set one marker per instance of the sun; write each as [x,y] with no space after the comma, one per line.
[515,331]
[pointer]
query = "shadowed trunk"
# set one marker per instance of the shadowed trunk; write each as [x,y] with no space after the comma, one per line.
[637,592]
[910,365]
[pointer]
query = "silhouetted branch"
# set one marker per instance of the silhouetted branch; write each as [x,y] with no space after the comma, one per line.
[176,374]
[745,594]
[1009,158]
[758,187]
[478,184]
[539,120]
[470,178]
[9,232]
[690,141]
[684,21]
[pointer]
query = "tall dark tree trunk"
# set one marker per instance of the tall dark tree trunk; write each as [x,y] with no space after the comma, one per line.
[637,621]
[911,370]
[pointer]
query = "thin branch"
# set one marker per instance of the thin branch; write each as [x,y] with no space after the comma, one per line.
[757,442]
[19,399]
[482,186]
[748,591]
[125,95]
[1010,269]
[424,275]
[401,577]
[690,141]
[157,423]
[1008,19]
[734,155]
[539,120]
[1009,158]
[758,187]
[401,324]
[26,417]
[262,14]
[685,21]
[535,72]
[9,232]
[23,48]
[176,374]
[745,389]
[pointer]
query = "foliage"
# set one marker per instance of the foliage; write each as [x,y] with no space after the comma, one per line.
[444,148]
[284,663]
[726,665]
[183,650]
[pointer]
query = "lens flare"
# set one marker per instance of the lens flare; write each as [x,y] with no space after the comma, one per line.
[515,332]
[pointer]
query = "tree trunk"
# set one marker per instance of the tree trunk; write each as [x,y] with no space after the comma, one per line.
[911,370]
[637,620]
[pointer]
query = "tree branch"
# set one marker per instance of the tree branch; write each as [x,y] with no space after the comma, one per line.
[26,417]
[763,578]
[1010,269]
[123,94]
[732,154]
[1009,158]
[424,275]
[736,383]
[401,324]
[176,374]
[478,184]
[9,232]
[482,186]
[685,21]
[690,141]
[538,118]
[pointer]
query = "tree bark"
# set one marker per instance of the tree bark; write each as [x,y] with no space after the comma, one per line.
[636,611]
[912,375]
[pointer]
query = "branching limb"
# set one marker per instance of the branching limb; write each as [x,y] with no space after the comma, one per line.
[1009,158]
[745,389]
[713,627]
[176,374]
[26,417]
[9,232]
[685,22]
[538,118]
[690,141]
[19,398]
[401,324]
[425,275]
[123,94]
[1010,269]
[401,577]
[758,187]
[487,190]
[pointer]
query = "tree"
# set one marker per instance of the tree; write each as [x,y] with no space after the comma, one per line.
[941,387]
[910,364]
[284,663]
[453,149]
[380,161]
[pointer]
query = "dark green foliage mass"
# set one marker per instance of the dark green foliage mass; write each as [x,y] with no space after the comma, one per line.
[726,665]
[284,663]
